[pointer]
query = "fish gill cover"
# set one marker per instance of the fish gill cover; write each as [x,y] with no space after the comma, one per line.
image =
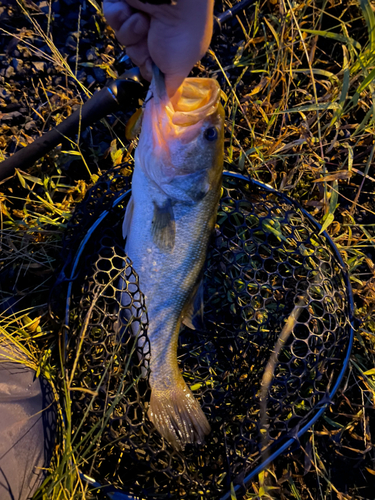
[266,256]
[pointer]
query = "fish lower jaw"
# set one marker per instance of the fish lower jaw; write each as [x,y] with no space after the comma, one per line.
[177,415]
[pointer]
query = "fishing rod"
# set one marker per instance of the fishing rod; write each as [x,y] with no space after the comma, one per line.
[127,89]
[122,93]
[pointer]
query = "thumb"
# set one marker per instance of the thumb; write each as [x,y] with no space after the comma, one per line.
[173,82]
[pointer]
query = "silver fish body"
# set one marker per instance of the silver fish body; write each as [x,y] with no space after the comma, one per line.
[169,220]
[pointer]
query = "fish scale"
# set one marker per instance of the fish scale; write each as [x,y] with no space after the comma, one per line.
[169,221]
[169,278]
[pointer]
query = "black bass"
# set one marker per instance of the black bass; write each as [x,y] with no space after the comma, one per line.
[169,219]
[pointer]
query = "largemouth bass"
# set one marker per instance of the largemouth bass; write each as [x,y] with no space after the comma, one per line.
[169,219]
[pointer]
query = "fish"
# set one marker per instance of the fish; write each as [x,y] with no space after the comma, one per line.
[169,219]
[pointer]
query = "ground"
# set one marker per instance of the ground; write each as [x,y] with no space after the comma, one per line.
[299,116]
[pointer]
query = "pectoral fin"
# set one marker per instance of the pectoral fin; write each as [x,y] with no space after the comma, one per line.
[164,226]
[128,218]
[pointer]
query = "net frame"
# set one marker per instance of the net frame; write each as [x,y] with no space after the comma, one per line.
[319,409]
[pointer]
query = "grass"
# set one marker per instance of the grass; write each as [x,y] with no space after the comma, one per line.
[298,80]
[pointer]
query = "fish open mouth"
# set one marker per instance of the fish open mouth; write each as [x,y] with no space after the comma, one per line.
[196,100]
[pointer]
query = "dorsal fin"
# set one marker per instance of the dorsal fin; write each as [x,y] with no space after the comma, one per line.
[133,125]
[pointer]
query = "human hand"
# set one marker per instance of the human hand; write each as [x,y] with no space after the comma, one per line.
[174,37]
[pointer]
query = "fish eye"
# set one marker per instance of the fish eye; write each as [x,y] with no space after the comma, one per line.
[210,134]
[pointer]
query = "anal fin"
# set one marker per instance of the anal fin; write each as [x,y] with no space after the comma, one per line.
[193,314]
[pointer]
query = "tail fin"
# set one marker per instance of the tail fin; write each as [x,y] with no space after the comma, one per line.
[177,416]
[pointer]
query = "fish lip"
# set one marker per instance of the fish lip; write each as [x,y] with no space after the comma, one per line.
[160,89]
[167,109]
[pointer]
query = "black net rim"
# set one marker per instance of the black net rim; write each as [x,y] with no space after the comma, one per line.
[323,404]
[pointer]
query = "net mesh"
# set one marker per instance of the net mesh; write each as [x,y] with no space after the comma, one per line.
[266,257]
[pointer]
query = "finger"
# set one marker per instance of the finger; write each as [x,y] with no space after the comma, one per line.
[116,12]
[138,53]
[173,82]
[177,44]
[146,69]
[134,29]
[149,8]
